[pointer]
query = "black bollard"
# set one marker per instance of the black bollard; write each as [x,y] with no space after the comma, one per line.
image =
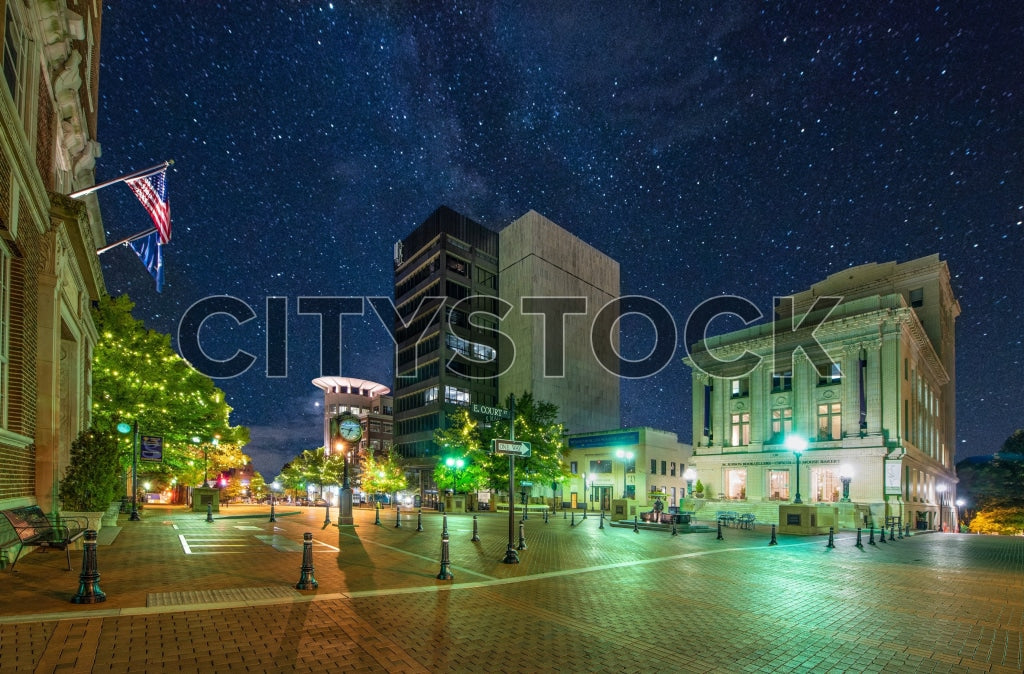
[89,591]
[908,531]
[398,517]
[871,535]
[773,541]
[674,532]
[636,529]
[306,580]
[892,528]
[900,530]
[881,531]
[209,512]
[719,531]
[601,525]
[522,536]
[272,517]
[327,513]
[573,522]
[419,520]
[376,516]
[858,544]
[564,515]
[831,538]
[444,526]
[476,531]
[545,516]
[446,567]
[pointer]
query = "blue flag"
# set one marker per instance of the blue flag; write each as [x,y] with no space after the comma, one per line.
[150,251]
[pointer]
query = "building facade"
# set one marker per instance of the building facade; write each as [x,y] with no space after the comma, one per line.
[556,286]
[49,271]
[875,404]
[621,471]
[367,400]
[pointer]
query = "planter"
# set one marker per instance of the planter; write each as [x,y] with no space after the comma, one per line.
[93,520]
[109,518]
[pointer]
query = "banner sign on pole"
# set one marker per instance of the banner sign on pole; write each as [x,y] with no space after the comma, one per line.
[151,448]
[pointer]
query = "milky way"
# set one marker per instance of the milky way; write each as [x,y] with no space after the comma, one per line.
[751,149]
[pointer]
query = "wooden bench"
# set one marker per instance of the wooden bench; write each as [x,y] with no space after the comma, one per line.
[34,529]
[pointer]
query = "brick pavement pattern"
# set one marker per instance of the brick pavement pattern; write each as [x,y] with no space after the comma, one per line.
[187,595]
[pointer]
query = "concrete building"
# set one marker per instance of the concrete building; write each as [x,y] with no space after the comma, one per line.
[875,403]
[544,268]
[49,271]
[367,400]
[623,471]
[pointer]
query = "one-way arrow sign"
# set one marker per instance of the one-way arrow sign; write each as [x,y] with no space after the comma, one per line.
[517,447]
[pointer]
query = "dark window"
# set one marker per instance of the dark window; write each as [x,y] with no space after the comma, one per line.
[917,297]
[654,467]
[664,465]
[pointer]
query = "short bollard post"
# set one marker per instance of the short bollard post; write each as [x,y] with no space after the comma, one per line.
[327,513]
[522,536]
[773,541]
[858,544]
[900,530]
[476,531]
[892,528]
[419,520]
[908,530]
[89,591]
[444,526]
[831,538]
[306,580]
[376,515]
[601,525]
[209,512]
[871,535]
[398,517]
[720,538]
[636,529]
[446,566]
[881,531]
[545,516]
[572,523]
[564,515]
[674,532]
[272,517]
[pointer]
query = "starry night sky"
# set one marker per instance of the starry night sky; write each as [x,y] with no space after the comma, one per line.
[751,149]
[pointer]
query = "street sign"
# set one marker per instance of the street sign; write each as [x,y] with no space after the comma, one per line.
[151,448]
[488,411]
[516,447]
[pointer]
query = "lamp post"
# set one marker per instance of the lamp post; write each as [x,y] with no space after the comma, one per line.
[345,495]
[689,475]
[586,494]
[959,505]
[626,457]
[797,445]
[124,428]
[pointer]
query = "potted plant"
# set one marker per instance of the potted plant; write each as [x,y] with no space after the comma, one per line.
[698,489]
[91,480]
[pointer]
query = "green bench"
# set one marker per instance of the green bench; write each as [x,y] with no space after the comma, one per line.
[34,529]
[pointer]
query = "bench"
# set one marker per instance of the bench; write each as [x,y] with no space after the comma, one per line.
[746,521]
[34,529]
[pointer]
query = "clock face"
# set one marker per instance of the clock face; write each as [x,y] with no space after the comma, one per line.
[350,429]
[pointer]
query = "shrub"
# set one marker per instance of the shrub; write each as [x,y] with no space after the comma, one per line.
[91,480]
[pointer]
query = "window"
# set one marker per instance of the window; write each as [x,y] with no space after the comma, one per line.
[782,381]
[14,43]
[740,429]
[830,421]
[600,465]
[430,395]
[825,485]
[469,349]
[663,467]
[672,469]
[740,387]
[782,423]
[778,485]
[574,468]
[829,373]
[654,467]
[456,395]
[917,297]
[736,483]
[5,304]
[456,265]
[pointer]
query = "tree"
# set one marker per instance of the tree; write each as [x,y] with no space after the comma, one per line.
[383,475]
[535,422]
[1005,521]
[138,378]
[1014,444]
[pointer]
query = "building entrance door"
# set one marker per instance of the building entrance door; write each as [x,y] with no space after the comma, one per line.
[604,497]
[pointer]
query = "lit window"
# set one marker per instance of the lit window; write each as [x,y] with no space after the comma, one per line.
[829,373]
[740,429]
[740,387]
[778,485]
[782,380]
[782,422]
[456,395]
[830,421]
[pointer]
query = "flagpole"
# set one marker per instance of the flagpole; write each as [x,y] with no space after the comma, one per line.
[124,242]
[131,176]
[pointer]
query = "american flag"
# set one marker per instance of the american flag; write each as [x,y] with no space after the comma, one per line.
[152,192]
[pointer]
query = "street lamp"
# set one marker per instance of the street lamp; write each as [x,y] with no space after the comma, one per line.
[797,445]
[690,475]
[959,504]
[455,465]
[626,457]
[586,494]
[124,428]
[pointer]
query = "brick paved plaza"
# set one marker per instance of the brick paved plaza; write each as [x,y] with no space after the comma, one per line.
[187,595]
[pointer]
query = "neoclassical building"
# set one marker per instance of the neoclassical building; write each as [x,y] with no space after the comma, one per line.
[49,271]
[861,368]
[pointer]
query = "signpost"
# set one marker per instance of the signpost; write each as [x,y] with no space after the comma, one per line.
[512,447]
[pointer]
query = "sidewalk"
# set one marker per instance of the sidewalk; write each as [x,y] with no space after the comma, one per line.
[184,594]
